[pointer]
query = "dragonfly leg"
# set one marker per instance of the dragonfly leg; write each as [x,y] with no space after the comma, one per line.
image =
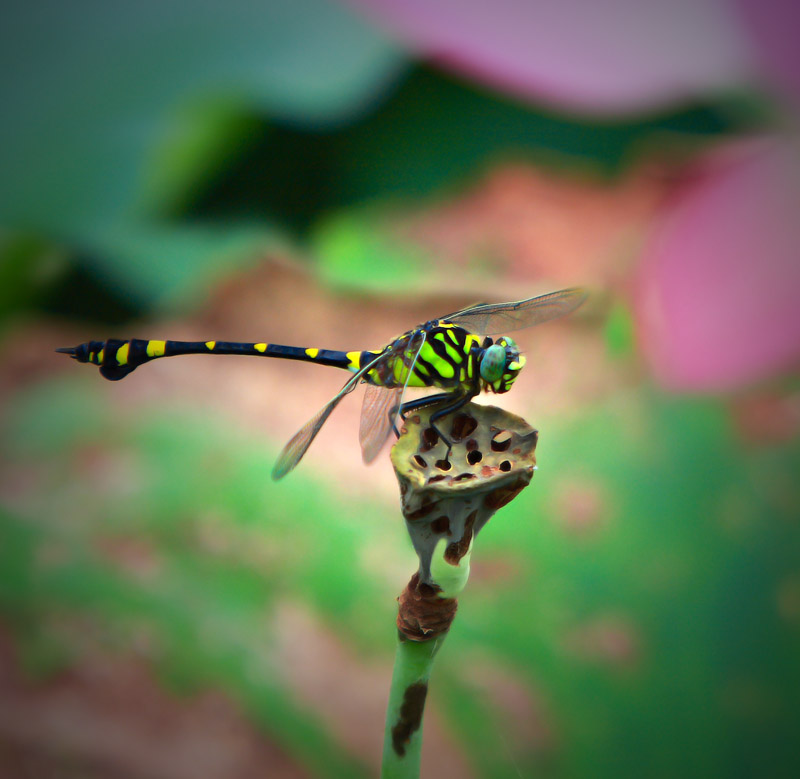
[458,401]
[413,405]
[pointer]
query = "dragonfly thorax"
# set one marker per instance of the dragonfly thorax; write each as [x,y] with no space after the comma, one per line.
[500,364]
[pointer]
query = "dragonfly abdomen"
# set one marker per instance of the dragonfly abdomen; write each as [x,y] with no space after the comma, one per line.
[116,358]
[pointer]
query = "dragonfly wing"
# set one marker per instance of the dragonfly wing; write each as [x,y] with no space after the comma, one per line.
[377,414]
[293,451]
[382,404]
[498,318]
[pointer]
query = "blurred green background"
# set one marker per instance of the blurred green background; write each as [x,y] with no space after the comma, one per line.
[287,173]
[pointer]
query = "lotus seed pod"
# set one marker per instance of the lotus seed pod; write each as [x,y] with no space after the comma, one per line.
[452,495]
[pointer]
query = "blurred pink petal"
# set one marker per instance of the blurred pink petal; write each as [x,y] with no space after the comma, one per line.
[603,56]
[774,28]
[718,298]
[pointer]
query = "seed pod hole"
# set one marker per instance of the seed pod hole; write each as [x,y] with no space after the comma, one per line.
[505,466]
[465,476]
[443,465]
[463,426]
[420,461]
[474,457]
[501,441]
[429,439]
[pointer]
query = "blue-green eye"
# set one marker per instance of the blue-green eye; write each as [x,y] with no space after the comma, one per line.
[493,363]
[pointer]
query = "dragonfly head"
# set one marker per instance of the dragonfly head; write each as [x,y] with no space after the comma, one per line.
[501,363]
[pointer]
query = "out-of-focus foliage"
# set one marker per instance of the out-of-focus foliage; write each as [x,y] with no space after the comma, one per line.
[645,590]
[223,184]
[89,90]
[114,114]
[635,612]
[163,116]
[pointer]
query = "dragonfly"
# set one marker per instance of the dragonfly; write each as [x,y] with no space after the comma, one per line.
[458,354]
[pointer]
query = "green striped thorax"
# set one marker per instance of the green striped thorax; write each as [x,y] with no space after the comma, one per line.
[501,363]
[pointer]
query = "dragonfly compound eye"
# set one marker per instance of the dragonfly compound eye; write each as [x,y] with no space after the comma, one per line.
[493,363]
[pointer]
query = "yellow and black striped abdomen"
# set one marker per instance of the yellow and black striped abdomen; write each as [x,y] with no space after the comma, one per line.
[116,358]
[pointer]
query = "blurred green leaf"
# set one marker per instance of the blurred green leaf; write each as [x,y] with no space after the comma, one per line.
[89,89]
[29,268]
[433,134]
[200,141]
[619,331]
[355,250]
[437,131]
[162,264]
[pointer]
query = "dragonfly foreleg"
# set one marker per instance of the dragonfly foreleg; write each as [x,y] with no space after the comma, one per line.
[450,402]
[459,400]
[413,405]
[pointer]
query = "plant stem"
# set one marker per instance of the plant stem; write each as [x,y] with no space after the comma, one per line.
[402,743]
[490,461]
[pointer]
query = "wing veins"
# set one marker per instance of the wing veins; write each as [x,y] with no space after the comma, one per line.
[377,424]
[295,449]
[498,318]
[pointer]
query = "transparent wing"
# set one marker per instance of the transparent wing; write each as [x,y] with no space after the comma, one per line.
[293,451]
[498,318]
[382,404]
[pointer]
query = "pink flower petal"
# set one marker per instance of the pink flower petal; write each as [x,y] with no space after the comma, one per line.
[774,28]
[604,56]
[718,297]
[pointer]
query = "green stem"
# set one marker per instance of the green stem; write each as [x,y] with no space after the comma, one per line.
[402,743]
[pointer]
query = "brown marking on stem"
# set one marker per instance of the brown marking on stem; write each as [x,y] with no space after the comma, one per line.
[441,525]
[457,550]
[426,508]
[410,717]
[424,615]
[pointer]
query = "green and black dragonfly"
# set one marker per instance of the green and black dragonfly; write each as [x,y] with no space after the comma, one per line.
[455,353]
